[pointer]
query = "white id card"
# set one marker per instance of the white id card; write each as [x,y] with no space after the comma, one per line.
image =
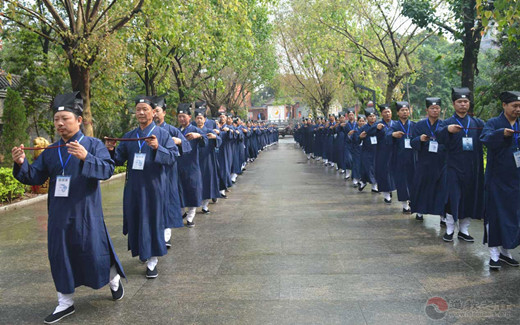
[62,186]
[467,144]
[139,161]
[407,143]
[516,154]
[433,146]
[373,140]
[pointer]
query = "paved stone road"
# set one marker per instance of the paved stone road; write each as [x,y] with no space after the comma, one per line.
[293,244]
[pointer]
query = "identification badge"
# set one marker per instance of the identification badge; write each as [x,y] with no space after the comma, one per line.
[516,154]
[62,186]
[373,140]
[467,144]
[433,147]
[335,136]
[139,161]
[407,143]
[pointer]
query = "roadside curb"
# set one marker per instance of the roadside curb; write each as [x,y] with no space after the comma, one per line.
[42,197]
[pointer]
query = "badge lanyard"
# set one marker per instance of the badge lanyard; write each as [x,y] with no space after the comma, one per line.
[139,142]
[66,162]
[402,127]
[466,130]
[430,127]
[516,135]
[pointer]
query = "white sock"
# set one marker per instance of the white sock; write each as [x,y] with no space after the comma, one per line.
[223,192]
[495,253]
[167,234]
[114,278]
[464,225]
[505,252]
[64,302]
[405,205]
[450,224]
[347,173]
[152,263]
[191,214]
[205,204]
[309,156]
[386,196]
[374,187]
[355,180]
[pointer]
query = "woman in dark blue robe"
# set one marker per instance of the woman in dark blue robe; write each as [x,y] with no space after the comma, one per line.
[403,162]
[502,184]
[429,193]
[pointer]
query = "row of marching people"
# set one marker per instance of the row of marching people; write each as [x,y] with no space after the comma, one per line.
[435,166]
[171,171]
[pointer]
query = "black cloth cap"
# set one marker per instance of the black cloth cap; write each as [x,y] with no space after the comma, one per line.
[160,101]
[150,100]
[71,102]
[361,116]
[382,107]
[184,108]
[370,111]
[510,96]
[458,93]
[399,105]
[350,110]
[200,104]
[433,101]
[201,111]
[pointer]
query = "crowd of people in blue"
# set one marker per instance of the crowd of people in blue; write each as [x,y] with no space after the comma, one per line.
[171,171]
[435,166]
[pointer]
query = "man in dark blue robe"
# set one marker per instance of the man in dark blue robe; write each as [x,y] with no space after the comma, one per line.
[384,153]
[351,124]
[80,249]
[340,143]
[404,156]
[225,154]
[355,141]
[429,195]
[144,200]
[465,172]
[502,185]
[208,161]
[173,206]
[189,168]
[367,136]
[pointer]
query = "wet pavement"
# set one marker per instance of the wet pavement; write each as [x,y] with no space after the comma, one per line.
[293,244]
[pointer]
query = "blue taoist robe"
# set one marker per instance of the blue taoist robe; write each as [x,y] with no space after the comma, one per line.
[502,185]
[340,147]
[189,169]
[79,247]
[208,167]
[224,157]
[383,164]
[348,144]
[355,147]
[403,162]
[173,203]
[465,171]
[144,194]
[368,154]
[236,165]
[429,193]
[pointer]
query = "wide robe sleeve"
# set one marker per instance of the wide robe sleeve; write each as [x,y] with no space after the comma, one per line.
[98,164]
[35,174]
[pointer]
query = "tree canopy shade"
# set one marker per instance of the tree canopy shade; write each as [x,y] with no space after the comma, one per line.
[457,17]
[80,28]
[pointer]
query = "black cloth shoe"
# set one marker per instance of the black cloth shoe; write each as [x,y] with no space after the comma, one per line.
[190,224]
[214,200]
[508,260]
[224,196]
[205,211]
[388,201]
[362,186]
[168,244]
[419,217]
[443,223]
[184,215]
[465,237]
[447,237]
[407,211]
[495,265]
[151,274]
[119,294]
[53,318]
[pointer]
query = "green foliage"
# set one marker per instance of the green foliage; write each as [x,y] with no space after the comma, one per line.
[119,170]
[15,123]
[10,188]
[502,14]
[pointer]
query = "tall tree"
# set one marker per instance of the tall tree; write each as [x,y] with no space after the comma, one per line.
[461,20]
[15,123]
[81,29]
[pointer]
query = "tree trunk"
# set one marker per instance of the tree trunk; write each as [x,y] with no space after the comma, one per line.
[80,80]
[471,41]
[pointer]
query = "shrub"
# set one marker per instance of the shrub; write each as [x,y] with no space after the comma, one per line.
[10,188]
